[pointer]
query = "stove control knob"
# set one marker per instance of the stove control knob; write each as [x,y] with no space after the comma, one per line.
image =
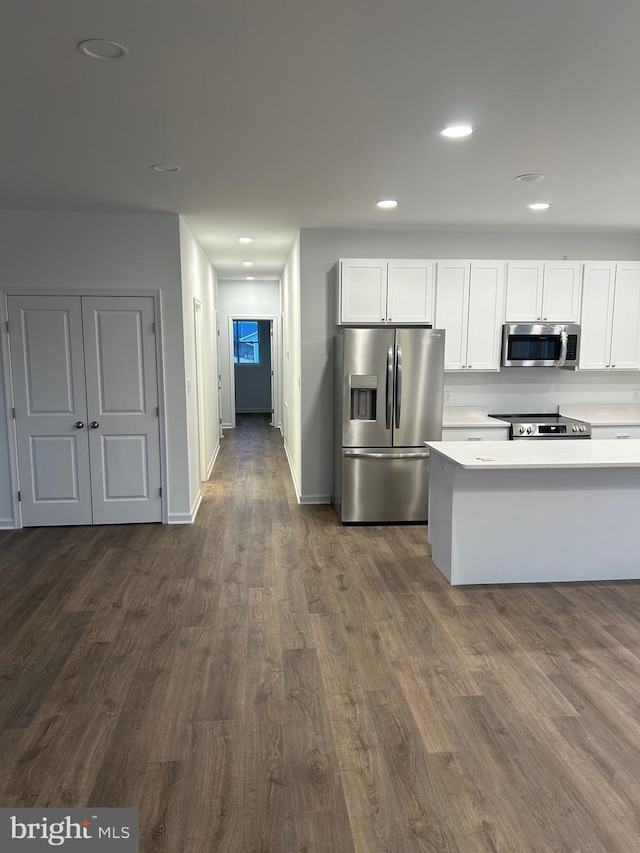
[583,428]
[521,430]
[529,430]
[574,428]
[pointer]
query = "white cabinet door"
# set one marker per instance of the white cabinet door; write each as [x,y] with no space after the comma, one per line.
[596,315]
[85,387]
[47,361]
[410,295]
[362,291]
[486,309]
[625,329]
[475,434]
[122,406]
[620,431]
[524,291]
[561,292]
[452,310]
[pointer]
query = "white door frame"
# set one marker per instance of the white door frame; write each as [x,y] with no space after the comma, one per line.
[200,401]
[276,361]
[8,380]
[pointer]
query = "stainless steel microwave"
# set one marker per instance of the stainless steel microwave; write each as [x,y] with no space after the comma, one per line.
[541,345]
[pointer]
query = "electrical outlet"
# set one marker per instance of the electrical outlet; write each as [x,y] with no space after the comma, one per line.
[635,395]
[448,396]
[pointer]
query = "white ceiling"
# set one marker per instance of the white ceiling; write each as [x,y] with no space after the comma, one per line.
[303,113]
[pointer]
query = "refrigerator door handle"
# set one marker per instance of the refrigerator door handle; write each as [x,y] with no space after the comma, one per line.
[371,454]
[398,385]
[389,385]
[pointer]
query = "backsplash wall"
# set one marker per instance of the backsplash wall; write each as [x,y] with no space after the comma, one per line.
[543,389]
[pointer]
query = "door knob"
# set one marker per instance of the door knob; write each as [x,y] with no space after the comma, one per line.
[94,424]
[79,425]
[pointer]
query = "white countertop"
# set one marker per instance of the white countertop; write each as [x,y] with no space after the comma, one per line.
[538,453]
[604,414]
[466,416]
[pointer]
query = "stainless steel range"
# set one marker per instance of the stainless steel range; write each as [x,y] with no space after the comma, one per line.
[545,426]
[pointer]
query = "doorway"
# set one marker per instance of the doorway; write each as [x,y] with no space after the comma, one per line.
[253,355]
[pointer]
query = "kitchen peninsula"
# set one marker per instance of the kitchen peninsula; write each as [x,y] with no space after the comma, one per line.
[535,511]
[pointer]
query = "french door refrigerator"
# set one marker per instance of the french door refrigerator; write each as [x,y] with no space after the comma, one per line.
[388,402]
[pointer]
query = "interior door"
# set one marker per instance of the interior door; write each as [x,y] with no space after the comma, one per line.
[86,400]
[122,406]
[51,411]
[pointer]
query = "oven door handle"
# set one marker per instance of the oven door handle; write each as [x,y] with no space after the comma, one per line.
[564,337]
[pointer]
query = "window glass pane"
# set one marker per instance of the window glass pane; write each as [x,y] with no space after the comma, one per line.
[246,343]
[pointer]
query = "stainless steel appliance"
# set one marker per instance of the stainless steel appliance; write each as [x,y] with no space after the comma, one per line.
[545,426]
[388,399]
[541,345]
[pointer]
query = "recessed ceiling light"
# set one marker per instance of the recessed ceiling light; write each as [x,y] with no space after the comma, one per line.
[539,205]
[387,204]
[456,131]
[247,263]
[531,178]
[250,277]
[245,239]
[165,167]
[102,49]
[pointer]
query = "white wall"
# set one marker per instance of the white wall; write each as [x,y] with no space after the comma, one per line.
[241,299]
[199,283]
[319,251]
[292,365]
[105,253]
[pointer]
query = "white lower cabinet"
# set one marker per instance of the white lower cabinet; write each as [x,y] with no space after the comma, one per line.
[610,316]
[614,431]
[475,434]
[470,306]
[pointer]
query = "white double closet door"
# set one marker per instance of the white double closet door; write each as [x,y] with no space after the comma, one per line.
[86,401]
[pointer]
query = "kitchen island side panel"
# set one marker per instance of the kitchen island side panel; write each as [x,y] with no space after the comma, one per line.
[440,530]
[543,525]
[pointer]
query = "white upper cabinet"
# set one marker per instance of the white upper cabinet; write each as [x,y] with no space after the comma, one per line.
[363,291]
[374,291]
[543,291]
[610,319]
[470,306]
[410,291]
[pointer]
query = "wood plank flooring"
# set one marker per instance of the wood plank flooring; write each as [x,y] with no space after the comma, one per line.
[269,681]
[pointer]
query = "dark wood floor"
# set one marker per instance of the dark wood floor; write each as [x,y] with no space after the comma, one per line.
[268,680]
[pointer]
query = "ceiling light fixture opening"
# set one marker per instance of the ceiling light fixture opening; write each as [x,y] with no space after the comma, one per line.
[387,204]
[102,49]
[245,239]
[250,277]
[167,168]
[457,131]
[539,205]
[247,263]
[531,178]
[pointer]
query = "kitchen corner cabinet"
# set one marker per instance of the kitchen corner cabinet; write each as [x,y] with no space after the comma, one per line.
[378,291]
[470,306]
[543,291]
[610,316]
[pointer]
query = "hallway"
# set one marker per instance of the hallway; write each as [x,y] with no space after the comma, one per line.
[269,681]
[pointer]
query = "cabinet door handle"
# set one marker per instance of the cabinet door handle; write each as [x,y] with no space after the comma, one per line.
[623,436]
[474,438]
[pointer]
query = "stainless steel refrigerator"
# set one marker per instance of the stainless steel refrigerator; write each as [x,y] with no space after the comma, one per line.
[388,402]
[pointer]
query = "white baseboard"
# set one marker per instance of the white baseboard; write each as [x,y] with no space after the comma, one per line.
[213,460]
[186,517]
[7,524]
[292,471]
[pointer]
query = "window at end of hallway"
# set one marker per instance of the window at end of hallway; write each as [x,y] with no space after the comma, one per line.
[246,342]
